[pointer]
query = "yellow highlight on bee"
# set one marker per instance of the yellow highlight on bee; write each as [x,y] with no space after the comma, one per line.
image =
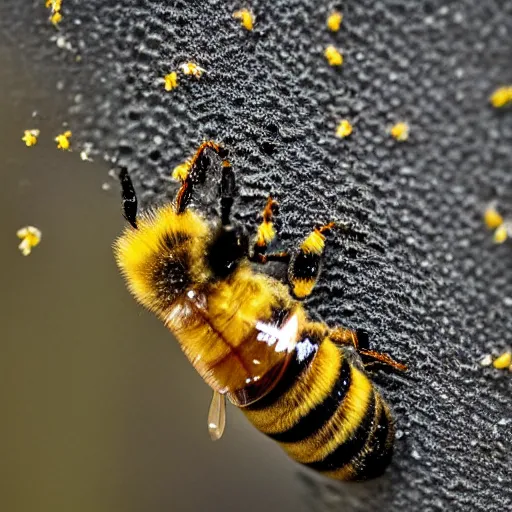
[333,56]
[501,234]
[171,81]
[492,218]
[180,172]
[63,141]
[501,96]
[30,137]
[503,361]
[246,17]
[30,237]
[266,233]
[314,243]
[400,131]
[344,129]
[334,21]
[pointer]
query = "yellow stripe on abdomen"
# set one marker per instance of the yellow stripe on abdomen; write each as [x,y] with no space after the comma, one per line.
[308,391]
[340,428]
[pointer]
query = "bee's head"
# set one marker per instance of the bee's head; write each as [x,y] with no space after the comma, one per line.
[229,245]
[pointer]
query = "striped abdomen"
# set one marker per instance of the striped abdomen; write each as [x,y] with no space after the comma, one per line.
[326,414]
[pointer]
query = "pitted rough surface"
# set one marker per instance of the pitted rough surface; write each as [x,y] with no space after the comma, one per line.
[419,271]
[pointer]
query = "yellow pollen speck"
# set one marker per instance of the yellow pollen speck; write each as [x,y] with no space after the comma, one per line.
[171,81]
[492,218]
[190,68]
[180,172]
[333,56]
[503,361]
[30,137]
[344,129]
[62,140]
[56,18]
[501,96]
[30,237]
[334,21]
[400,131]
[501,234]
[246,17]
[55,5]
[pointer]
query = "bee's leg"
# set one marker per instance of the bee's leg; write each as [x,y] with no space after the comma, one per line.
[306,262]
[193,173]
[129,197]
[344,336]
[265,232]
[265,235]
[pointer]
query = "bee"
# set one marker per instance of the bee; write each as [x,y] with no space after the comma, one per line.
[248,335]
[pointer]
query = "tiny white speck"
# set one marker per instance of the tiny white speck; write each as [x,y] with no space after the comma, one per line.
[415,455]
[105,186]
[507,301]
[458,17]
[191,294]
[486,361]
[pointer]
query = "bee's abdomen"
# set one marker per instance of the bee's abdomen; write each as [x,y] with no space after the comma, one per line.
[326,414]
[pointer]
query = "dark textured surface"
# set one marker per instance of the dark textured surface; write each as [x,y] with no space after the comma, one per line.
[422,276]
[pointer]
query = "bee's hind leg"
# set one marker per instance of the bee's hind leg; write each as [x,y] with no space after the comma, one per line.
[359,340]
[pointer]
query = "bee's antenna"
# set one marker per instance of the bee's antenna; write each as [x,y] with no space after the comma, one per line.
[129,197]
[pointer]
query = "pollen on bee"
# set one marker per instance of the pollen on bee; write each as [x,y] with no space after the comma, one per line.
[171,81]
[334,21]
[246,17]
[180,172]
[501,96]
[333,56]
[191,68]
[30,237]
[63,141]
[503,361]
[400,131]
[30,137]
[492,218]
[344,129]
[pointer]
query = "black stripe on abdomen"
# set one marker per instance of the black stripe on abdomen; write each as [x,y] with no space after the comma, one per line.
[317,417]
[346,451]
[303,354]
[381,449]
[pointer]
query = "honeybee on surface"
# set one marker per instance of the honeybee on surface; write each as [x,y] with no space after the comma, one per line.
[247,333]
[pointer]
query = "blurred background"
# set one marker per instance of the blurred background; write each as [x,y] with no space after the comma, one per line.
[100,410]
